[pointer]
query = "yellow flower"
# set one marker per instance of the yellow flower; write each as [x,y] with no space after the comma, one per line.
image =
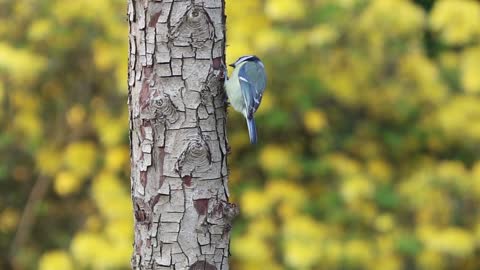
[80,158]
[384,223]
[470,69]
[254,203]
[268,40]
[285,10]
[93,251]
[86,248]
[303,241]
[76,115]
[21,64]
[457,114]
[457,242]
[300,256]
[252,248]
[262,227]
[117,158]
[356,188]
[449,60]
[429,259]
[379,169]
[285,191]
[274,158]
[40,29]
[66,183]
[87,9]
[56,259]
[322,34]
[456,21]
[104,57]
[452,241]
[110,196]
[343,165]
[111,130]
[419,71]
[453,173]
[258,265]
[392,18]
[115,256]
[389,262]
[358,252]
[304,228]
[123,227]
[28,124]
[47,160]
[315,121]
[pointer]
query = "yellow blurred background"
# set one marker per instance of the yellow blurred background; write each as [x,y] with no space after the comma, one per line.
[369,135]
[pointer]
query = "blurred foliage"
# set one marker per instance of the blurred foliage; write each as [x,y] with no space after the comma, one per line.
[369,134]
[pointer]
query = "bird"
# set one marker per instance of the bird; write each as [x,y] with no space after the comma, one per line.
[245,89]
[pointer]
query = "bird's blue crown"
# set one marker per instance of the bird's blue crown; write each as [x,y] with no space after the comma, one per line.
[246,58]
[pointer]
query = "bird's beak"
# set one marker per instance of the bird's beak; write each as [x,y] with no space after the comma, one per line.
[232,65]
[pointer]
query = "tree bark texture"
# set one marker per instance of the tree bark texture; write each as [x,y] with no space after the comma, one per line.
[178,134]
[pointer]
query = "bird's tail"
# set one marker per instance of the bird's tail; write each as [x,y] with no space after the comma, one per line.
[252,130]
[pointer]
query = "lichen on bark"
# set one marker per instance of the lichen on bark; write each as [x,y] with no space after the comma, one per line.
[178,135]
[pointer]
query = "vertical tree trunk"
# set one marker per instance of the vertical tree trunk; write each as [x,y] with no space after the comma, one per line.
[178,134]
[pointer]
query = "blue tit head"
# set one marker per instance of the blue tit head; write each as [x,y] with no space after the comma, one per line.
[245,58]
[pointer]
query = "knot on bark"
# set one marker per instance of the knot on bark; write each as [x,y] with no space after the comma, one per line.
[195,158]
[230,211]
[164,109]
[212,85]
[143,212]
[194,28]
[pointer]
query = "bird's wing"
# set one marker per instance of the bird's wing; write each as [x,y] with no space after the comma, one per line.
[252,81]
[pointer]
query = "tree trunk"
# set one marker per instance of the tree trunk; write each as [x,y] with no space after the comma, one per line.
[178,134]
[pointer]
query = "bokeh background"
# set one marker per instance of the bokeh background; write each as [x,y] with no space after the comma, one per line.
[369,153]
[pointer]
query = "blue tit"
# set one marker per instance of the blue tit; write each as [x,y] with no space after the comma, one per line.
[245,89]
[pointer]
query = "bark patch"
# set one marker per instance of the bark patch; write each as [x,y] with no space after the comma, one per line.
[217,63]
[154,200]
[144,94]
[202,265]
[154,19]
[201,206]
[187,180]
[143,178]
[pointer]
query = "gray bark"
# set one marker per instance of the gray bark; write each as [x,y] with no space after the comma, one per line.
[178,134]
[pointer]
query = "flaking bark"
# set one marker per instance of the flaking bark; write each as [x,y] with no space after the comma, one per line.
[178,134]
